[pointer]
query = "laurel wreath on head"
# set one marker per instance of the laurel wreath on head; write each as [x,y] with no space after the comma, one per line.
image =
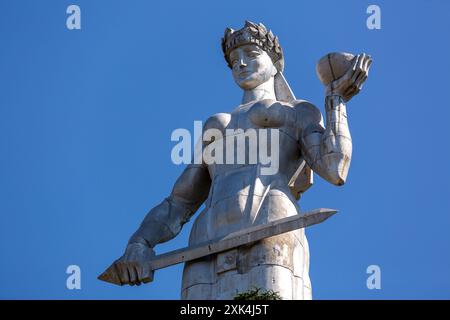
[266,38]
[260,31]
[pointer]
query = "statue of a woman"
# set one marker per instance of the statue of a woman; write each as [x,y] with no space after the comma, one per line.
[237,196]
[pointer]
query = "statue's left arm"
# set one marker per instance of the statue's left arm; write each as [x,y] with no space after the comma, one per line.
[328,150]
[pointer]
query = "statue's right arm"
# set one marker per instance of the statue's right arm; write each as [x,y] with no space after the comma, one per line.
[165,221]
[161,224]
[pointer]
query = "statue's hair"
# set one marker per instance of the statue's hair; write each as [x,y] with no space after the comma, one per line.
[253,33]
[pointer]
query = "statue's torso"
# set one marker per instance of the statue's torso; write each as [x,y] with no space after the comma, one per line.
[240,196]
[237,189]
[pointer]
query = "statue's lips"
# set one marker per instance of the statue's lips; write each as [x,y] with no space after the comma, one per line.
[244,73]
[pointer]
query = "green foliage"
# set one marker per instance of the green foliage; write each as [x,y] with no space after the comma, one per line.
[258,294]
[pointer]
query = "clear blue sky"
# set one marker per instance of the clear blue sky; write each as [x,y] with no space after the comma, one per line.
[86,117]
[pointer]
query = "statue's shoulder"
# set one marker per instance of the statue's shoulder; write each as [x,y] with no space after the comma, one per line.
[307,113]
[218,121]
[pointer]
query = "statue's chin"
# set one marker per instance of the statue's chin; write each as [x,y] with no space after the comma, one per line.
[249,83]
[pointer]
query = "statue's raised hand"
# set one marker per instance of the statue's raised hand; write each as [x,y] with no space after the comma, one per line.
[352,81]
[133,267]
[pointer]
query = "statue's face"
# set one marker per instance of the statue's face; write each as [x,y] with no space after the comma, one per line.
[251,66]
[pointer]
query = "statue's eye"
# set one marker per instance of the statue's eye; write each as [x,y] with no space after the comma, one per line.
[233,62]
[253,54]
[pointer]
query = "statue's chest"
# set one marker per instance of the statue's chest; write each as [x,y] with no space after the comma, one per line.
[253,134]
[264,114]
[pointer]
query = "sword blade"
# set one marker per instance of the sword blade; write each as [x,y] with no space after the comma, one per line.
[233,240]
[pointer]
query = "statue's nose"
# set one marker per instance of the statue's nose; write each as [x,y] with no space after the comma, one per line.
[242,64]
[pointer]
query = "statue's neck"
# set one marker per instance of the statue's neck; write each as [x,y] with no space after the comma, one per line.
[261,92]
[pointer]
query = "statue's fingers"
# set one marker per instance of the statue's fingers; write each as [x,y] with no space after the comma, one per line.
[354,69]
[138,271]
[363,69]
[132,274]
[347,93]
[123,273]
[351,92]
[367,65]
[361,75]
[360,83]
[147,273]
[359,67]
[362,61]
[356,63]
[356,75]
[351,95]
[347,96]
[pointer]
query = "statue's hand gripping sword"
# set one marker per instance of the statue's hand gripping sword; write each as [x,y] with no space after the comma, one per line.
[233,240]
